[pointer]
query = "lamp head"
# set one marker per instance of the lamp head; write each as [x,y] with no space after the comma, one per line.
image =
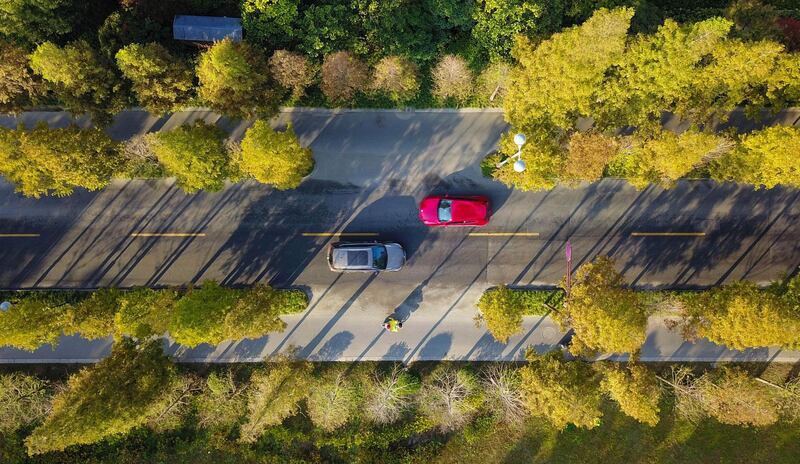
[519,165]
[520,139]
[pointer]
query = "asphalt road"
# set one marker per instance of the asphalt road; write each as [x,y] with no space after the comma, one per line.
[372,170]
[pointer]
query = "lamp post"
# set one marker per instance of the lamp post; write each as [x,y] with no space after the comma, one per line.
[519,165]
[568,252]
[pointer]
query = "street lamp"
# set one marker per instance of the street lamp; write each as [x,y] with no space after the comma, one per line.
[519,165]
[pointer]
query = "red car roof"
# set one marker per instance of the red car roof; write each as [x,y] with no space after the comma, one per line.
[473,210]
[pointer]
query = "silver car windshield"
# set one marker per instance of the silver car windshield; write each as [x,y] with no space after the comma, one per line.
[379,257]
[445,215]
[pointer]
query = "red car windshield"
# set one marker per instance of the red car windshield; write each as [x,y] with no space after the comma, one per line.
[445,211]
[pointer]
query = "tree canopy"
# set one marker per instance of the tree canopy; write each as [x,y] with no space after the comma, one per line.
[274,158]
[160,80]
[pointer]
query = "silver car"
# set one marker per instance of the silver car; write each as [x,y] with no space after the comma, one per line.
[366,257]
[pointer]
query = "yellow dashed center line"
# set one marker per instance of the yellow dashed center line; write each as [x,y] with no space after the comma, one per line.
[504,234]
[166,234]
[668,234]
[19,235]
[340,234]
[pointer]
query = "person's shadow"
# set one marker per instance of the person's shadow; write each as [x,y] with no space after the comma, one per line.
[404,311]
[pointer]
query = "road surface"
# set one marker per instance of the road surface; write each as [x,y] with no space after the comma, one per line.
[372,169]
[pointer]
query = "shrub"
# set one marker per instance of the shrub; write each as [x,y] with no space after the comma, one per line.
[333,399]
[388,396]
[450,397]
[144,312]
[343,75]
[258,311]
[452,79]
[396,77]
[160,81]
[93,316]
[502,309]
[274,158]
[635,389]
[33,321]
[791,33]
[606,316]
[199,315]
[235,80]
[732,397]
[194,154]
[46,161]
[292,71]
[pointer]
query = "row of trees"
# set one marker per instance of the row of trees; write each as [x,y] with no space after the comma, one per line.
[45,161]
[764,158]
[699,71]
[610,317]
[209,313]
[137,386]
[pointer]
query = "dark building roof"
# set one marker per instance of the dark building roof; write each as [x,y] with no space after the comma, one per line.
[206,28]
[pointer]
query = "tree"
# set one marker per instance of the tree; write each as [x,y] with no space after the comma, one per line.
[270,23]
[635,389]
[35,320]
[753,20]
[732,397]
[46,161]
[497,22]
[452,79]
[587,156]
[199,315]
[292,71]
[606,316]
[666,157]
[558,80]
[24,400]
[79,79]
[17,84]
[235,80]
[765,158]
[333,399]
[657,73]
[398,27]
[258,311]
[543,158]
[502,386]
[493,83]
[93,316]
[343,75]
[275,158]
[396,77]
[110,398]
[274,394]
[222,402]
[502,309]
[450,397]
[194,154]
[160,81]
[388,396]
[175,404]
[740,315]
[144,312]
[326,28]
[33,21]
[560,391]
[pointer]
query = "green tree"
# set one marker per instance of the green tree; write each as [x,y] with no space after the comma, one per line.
[222,402]
[334,398]
[558,80]
[235,80]
[765,158]
[740,315]
[606,316]
[666,157]
[199,316]
[502,309]
[326,28]
[658,72]
[635,389]
[397,27]
[275,158]
[195,154]
[79,79]
[270,23]
[753,20]
[587,156]
[543,158]
[497,22]
[93,316]
[450,397]
[343,76]
[18,87]
[560,391]
[144,312]
[24,400]
[396,77]
[34,21]
[46,161]
[275,394]
[110,398]
[34,320]
[161,82]
[258,310]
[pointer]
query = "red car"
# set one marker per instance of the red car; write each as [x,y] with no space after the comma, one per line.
[455,211]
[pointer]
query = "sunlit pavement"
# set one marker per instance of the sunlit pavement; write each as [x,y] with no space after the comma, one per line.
[372,169]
